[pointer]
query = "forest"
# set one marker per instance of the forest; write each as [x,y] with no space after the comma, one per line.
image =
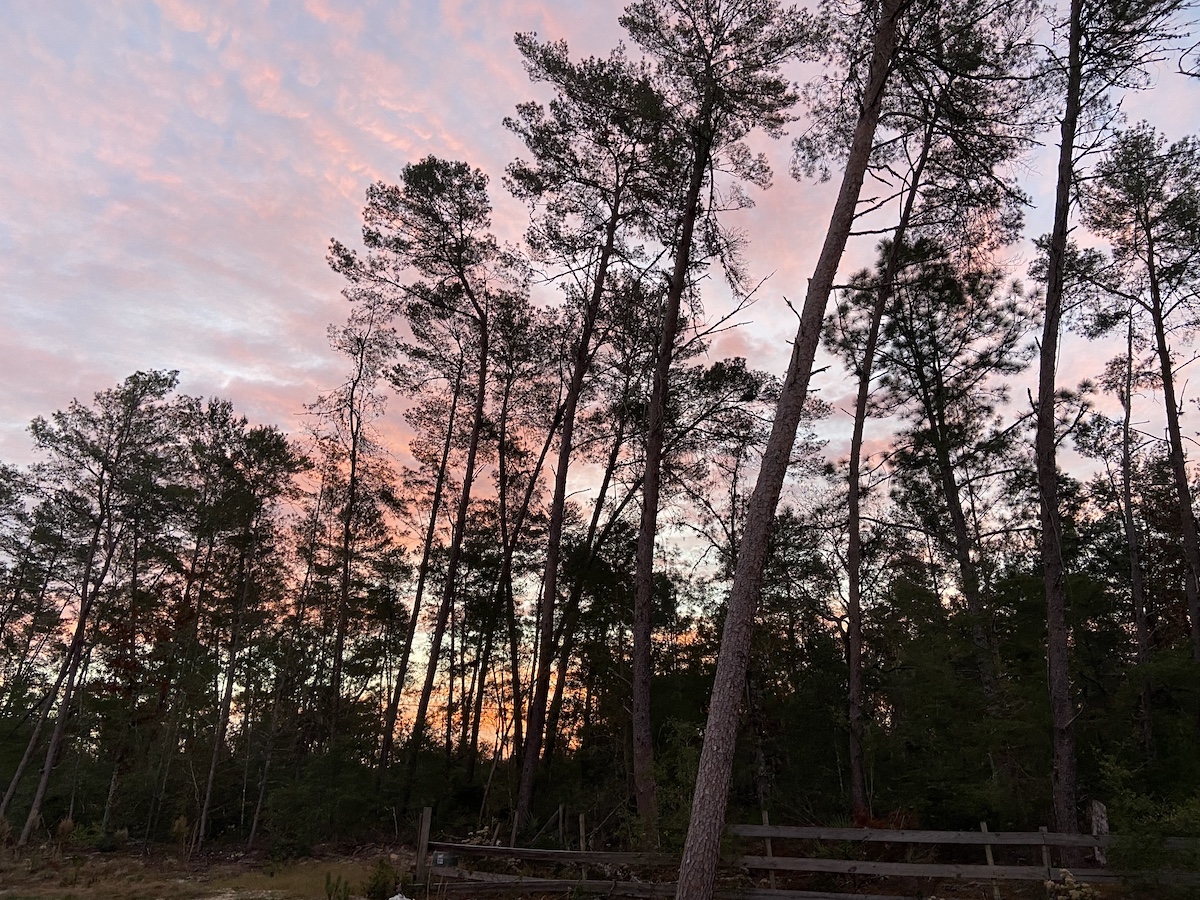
[603,567]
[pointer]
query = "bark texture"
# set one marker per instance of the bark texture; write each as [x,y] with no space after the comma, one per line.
[702,846]
[1062,713]
[584,351]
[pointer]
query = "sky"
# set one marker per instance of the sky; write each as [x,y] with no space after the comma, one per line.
[171,174]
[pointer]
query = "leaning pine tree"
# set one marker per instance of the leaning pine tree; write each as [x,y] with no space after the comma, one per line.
[719,66]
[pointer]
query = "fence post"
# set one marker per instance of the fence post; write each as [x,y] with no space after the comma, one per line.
[991,861]
[423,844]
[582,847]
[766,822]
[1046,854]
[1099,816]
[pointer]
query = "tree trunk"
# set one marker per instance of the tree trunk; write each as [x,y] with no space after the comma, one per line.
[456,542]
[74,654]
[1187,517]
[702,846]
[343,609]
[1133,544]
[643,601]
[393,707]
[883,294]
[1062,714]
[479,688]
[571,617]
[530,750]
[47,704]
[968,571]
[222,723]
[504,595]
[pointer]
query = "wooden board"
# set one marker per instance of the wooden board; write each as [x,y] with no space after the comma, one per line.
[918,870]
[909,836]
[481,882]
[912,836]
[564,857]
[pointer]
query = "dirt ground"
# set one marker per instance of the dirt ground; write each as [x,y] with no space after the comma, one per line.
[66,873]
[49,873]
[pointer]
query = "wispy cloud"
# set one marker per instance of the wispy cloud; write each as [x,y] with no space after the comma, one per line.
[171,173]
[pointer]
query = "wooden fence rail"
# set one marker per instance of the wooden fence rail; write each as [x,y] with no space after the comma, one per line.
[773,862]
[907,836]
[563,857]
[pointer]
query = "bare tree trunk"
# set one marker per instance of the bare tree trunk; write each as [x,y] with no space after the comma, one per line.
[452,561]
[1062,714]
[89,587]
[29,653]
[1183,491]
[47,703]
[530,749]
[222,723]
[702,846]
[883,294]
[643,601]
[393,707]
[106,818]
[571,617]
[343,610]
[504,596]
[1133,545]
[968,571]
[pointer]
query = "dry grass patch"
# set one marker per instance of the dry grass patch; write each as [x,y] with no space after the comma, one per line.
[48,874]
[303,879]
[52,875]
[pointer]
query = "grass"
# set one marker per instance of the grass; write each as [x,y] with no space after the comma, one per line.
[296,880]
[51,874]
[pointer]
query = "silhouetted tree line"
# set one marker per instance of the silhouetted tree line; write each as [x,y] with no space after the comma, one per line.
[604,569]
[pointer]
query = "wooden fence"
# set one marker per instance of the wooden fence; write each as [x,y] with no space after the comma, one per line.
[596,867]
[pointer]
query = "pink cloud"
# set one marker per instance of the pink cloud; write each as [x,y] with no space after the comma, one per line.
[172,171]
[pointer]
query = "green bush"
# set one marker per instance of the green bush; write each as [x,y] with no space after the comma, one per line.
[383,881]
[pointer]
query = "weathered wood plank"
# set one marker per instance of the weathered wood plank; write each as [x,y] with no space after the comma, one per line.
[496,881]
[565,857]
[882,835]
[423,843]
[915,836]
[916,870]
[906,836]
[798,864]
[782,894]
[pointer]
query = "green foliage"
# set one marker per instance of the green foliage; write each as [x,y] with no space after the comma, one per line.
[383,881]
[676,761]
[332,796]
[336,888]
